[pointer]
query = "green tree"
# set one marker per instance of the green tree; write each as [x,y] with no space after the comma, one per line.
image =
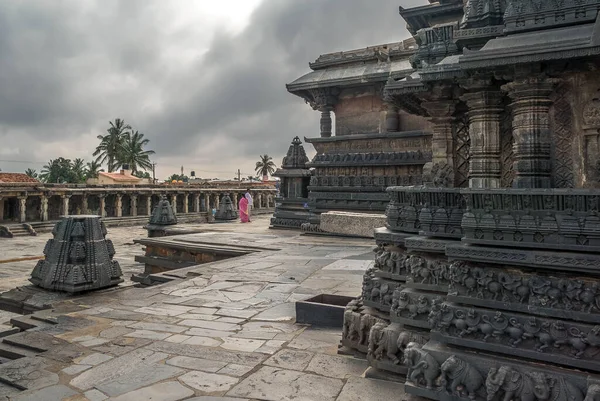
[140,174]
[133,153]
[78,169]
[178,177]
[265,166]
[59,171]
[31,173]
[111,145]
[92,169]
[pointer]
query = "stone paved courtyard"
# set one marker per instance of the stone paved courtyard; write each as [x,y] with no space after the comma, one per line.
[224,332]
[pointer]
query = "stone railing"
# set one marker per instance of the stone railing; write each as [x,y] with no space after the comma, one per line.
[542,218]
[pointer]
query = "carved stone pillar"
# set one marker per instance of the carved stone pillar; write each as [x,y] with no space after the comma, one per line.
[485,107]
[441,112]
[119,205]
[258,201]
[43,208]
[22,208]
[197,203]
[206,202]
[174,203]
[65,204]
[102,199]
[217,201]
[234,197]
[326,122]
[84,204]
[1,209]
[134,199]
[149,204]
[186,203]
[392,118]
[531,131]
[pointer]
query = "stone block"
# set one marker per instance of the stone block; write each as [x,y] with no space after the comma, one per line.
[354,224]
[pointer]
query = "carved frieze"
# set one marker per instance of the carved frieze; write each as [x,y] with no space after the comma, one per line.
[357,326]
[428,273]
[390,264]
[545,339]
[412,308]
[377,292]
[387,344]
[514,290]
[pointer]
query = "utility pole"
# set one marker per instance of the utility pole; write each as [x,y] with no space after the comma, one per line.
[153,173]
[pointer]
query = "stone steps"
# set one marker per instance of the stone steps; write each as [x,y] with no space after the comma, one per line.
[28,322]
[10,351]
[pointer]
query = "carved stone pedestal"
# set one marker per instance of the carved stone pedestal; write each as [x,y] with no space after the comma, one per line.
[162,216]
[78,258]
[226,210]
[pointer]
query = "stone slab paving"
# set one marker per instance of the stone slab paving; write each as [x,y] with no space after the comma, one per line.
[219,331]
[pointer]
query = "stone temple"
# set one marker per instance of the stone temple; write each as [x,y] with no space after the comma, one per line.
[486,282]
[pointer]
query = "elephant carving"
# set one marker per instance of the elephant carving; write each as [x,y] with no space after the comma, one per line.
[422,367]
[458,375]
[516,386]
[593,392]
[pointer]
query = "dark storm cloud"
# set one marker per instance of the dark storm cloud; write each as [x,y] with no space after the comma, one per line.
[68,67]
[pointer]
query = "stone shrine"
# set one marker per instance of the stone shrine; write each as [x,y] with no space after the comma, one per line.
[226,210]
[290,210]
[486,281]
[162,217]
[373,144]
[78,258]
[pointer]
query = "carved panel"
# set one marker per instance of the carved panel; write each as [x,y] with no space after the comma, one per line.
[462,146]
[387,344]
[506,150]
[562,129]
[377,292]
[357,326]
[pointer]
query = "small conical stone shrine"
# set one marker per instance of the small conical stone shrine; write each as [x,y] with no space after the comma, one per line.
[226,210]
[78,258]
[163,215]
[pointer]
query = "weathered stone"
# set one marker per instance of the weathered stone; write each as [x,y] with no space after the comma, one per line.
[94,359]
[278,384]
[354,224]
[116,368]
[168,391]
[240,358]
[290,359]
[241,344]
[169,328]
[208,382]
[151,335]
[360,389]
[138,378]
[235,370]
[75,369]
[57,392]
[204,365]
[28,373]
[337,366]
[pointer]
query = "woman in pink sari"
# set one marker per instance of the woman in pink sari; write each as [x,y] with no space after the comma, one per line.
[243,209]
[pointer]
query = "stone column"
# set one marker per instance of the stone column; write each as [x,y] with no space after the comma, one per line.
[43,208]
[441,112]
[174,203]
[392,119]
[485,107]
[84,204]
[217,201]
[149,205]
[185,203]
[1,209]
[22,208]
[197,203]
[65,204]
[206,202]
[119,205]
[258,201]
[102,199]
[134,199]
[234,197]
[531,131]
[326,122]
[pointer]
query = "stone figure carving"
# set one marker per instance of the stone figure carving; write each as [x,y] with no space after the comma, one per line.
[422,367]
[460,377]
[439,175]
[514,385]
[593,392]
[351,321]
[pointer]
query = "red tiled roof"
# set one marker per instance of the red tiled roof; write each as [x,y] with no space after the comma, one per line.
[16,177]
[120,177]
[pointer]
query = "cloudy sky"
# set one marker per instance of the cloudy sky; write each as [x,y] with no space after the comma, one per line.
[204,80]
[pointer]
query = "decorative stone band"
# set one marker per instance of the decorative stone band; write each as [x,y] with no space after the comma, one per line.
[527,15]
[378,182]
[368,159]
[565,220]
[431,211]
[468,375]
[520,335]
[576,298]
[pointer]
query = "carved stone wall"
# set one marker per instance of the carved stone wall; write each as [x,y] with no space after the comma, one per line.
[563,150]
[462,145]
[359,114]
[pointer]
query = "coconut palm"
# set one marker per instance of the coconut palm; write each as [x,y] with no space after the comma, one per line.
[265,166]
[111,145]
[78,169]
[93,168]
[31,173]
[133,153]
[59,171]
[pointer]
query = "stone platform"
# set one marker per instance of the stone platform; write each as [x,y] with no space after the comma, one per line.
[352,224]
[223,329]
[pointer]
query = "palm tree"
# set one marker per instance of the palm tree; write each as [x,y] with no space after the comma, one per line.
[31,173]
[133,152]
[93,168]
[78,168]
[111,145]
[265,166]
